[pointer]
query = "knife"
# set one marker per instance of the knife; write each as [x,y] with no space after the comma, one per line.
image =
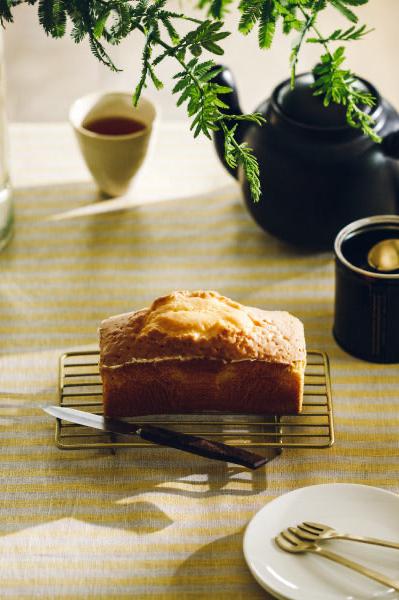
[161,436]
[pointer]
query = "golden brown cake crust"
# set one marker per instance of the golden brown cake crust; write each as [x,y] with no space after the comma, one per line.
[201,324]
[200,385]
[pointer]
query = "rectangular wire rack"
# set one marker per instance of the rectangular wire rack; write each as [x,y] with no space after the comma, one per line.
[80,387]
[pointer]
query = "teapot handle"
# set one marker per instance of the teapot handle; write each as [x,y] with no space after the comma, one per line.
[390,145]
[225,78]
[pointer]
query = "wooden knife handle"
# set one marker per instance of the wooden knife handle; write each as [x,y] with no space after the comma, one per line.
[201,446]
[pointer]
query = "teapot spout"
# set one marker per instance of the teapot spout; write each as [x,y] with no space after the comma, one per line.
[226,78]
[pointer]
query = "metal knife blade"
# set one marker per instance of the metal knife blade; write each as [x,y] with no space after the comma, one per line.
[90,420]
[162,436]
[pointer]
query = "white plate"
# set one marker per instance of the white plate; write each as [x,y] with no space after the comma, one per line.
[358,509]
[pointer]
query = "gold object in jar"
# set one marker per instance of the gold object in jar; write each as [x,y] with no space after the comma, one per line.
[384,256]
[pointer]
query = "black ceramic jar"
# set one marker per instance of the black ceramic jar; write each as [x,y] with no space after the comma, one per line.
[366,300]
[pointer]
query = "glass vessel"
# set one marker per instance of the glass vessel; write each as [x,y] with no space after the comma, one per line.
[6,203]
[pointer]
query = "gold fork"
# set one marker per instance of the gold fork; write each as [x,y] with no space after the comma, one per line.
[312,532]
[289,542]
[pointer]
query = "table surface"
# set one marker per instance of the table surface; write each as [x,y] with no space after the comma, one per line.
[150,523]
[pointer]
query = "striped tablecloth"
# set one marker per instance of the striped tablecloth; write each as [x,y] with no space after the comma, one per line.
[150,524]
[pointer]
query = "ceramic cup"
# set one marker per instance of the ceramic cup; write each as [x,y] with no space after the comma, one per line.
[366,320]
[113,160]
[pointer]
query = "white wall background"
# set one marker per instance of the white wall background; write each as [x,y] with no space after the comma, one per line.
[44,75]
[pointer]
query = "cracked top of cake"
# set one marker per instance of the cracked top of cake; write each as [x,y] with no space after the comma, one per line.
[201,324]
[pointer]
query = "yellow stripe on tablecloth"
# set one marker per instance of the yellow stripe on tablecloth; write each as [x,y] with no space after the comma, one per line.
[117,468]
[279,487]
[188,261]
[388,454]
[369,378]
[223,592]
[234,577]
[30,510]
[112,247]
[81,271]
[225,563]
[144,279]
[206,221]
[46,222]
[28,212]
[372,436]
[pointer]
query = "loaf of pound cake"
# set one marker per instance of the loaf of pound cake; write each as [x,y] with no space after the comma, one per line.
[198,351]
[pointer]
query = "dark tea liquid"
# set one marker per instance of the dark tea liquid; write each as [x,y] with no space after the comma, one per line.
[356,247]
[114,126]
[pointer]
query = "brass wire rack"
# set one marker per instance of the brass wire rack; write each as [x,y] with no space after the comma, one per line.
[80,387]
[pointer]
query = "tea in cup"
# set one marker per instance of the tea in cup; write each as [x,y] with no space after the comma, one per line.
[113,136]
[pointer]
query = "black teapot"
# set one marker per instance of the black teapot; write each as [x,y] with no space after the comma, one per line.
[317,172]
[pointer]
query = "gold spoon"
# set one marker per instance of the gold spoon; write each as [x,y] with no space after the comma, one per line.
[384,256]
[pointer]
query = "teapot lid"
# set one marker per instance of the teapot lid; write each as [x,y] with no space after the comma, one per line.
[301,105]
